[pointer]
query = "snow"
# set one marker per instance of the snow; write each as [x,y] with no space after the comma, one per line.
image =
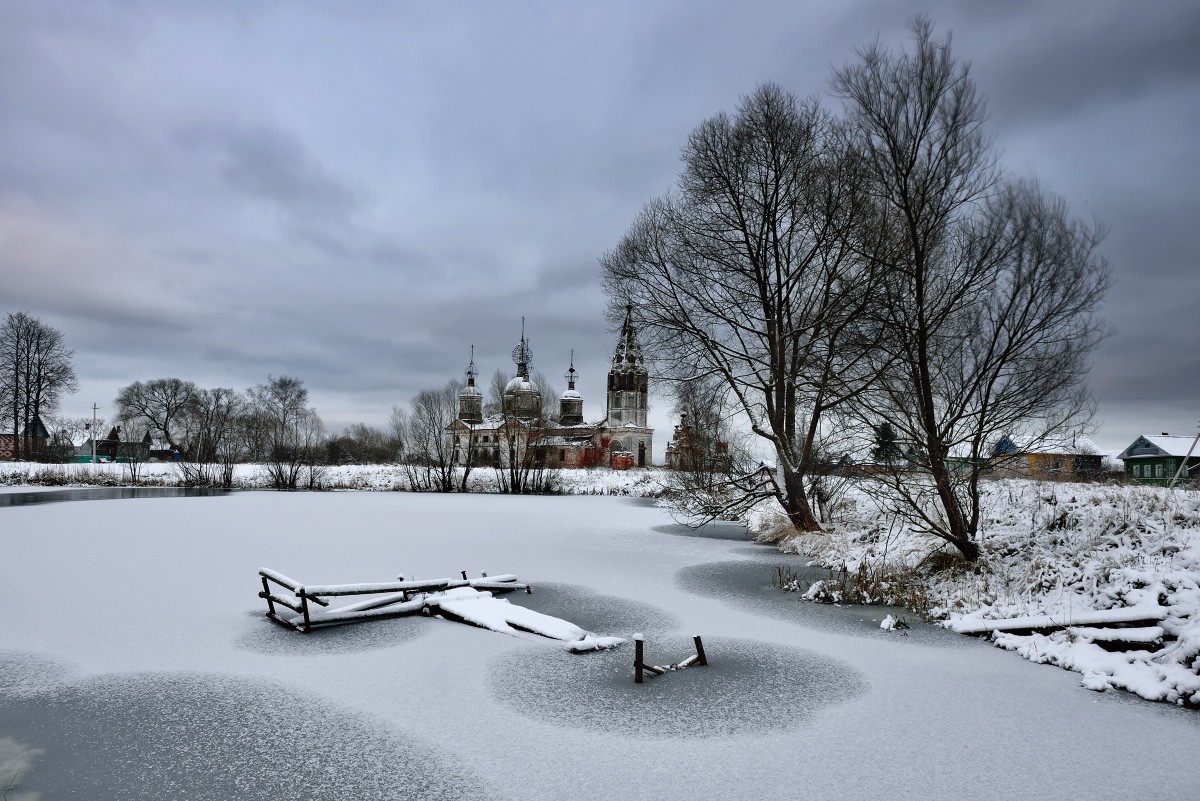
[18,476]
[1054,555]
[174,676]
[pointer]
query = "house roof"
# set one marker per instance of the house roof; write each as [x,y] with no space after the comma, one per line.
[1072,445]
[1151,445]
[1075,446]
[39,429]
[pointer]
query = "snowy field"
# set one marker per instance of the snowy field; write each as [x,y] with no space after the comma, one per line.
[135,663]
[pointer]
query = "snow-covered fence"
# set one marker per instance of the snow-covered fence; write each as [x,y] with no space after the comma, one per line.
[640,668]
[393,598]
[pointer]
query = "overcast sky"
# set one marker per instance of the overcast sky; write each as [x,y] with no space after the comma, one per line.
[355,193]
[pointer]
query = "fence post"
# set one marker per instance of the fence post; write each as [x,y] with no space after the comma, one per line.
[267,595]
[700,650]
[637,658]
[304,606]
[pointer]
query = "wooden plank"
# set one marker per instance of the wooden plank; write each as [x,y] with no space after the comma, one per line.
[275,599]
[287,624]
[430,585]
[1138,634]
[338,616]
[1088,617]
[284,581]
[278,578]
[499,586]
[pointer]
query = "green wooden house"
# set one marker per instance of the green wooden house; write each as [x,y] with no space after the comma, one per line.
[1153,459]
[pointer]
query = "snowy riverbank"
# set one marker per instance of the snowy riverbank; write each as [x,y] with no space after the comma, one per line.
[385,478]
[1057,551]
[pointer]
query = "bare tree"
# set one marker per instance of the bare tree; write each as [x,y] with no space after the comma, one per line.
[522,466]
[364,444]
[757,272]
[211,421]
[163,404]
[991,292]
[36,370]
[713,476]
[429,452]
[65,432]
[132,451]
[287,429]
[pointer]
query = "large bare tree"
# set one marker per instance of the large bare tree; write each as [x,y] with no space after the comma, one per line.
[163,404]
[213,420]
[757,271]
[988,313]
[290,434]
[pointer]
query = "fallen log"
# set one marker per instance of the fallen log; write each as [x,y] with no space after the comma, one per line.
[1089,617]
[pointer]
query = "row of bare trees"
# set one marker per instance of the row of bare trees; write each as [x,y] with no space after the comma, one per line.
[36,371]
[213,429]
[829,271]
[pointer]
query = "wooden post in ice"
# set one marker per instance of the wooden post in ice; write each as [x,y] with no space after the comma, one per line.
[267,595]
[700,651]
[637,658]
[304,604]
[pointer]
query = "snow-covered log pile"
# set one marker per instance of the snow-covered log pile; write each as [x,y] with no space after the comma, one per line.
[1100,579]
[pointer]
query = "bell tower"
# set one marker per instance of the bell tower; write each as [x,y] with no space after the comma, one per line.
[470,400]
[570,405]
[628,380]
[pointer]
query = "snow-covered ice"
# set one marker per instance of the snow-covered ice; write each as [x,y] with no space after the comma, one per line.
[136,663]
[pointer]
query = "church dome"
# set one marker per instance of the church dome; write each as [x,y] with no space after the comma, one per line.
[520,384]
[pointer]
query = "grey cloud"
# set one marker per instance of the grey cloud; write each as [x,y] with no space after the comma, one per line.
[1121,52]
[355,195]
[266,163]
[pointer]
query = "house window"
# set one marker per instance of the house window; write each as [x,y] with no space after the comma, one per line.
[1158,470]
[1137,471]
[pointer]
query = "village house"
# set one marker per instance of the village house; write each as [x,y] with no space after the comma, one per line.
[1076,457]
[35,439]
[1154,459]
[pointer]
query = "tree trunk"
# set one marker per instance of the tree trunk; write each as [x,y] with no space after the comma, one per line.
[796,502]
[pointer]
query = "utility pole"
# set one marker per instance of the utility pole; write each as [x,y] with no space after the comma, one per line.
[1183,466]
[95,408]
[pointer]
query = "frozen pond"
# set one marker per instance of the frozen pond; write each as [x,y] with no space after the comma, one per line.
[137,664]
